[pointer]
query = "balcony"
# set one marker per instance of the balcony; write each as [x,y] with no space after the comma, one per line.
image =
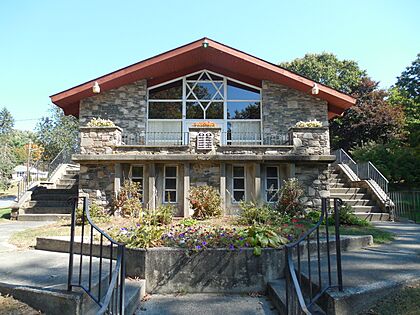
[203,143]
[183,138]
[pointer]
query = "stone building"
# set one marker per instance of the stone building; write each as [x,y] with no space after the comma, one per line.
[203,114]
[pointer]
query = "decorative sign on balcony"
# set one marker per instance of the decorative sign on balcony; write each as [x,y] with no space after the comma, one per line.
[204,141]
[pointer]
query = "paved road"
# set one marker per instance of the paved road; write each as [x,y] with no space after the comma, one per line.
[206,304]
[7,229]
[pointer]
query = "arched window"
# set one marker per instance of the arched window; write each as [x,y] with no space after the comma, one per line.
[204,95]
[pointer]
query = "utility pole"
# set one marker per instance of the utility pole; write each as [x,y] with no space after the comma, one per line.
[28,171]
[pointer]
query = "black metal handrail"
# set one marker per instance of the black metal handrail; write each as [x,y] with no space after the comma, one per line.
[298,302]
[112,302]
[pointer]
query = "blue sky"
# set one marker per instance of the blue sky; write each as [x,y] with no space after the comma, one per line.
[48,46]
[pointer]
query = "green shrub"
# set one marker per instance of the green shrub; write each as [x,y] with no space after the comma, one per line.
[289,199]
[260,236]
[162,215]
[347,217]
[205,201]
[187,222]
[308,124]
[251,213]
[97,213]
[140,235]
[128,200]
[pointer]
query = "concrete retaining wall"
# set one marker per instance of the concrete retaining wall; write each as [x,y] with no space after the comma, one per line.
[169,270]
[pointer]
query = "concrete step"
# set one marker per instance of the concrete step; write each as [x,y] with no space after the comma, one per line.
[349,196]
[365,209]
[72,172]
[338,185]
[343,190]
[277,294]
[356,202]
[42,217]
[68,187]
[48,203]
[373,216]
[48,210]
[62,181]
[55,197]
[51,191]
[135,290]
[70,176]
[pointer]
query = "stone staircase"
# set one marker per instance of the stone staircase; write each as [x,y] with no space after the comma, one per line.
[51,202]
[361,202]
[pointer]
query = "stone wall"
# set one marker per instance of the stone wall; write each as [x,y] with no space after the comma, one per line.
[97,182]
[126,106]
[310,141]
[283,107]
[204,173]
[99,140]
[314,179]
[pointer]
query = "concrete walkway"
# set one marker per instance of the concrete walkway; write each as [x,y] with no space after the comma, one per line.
[206,304]
[7,229]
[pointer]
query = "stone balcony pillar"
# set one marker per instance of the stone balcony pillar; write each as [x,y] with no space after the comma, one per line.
[99,140]
[195,132]
[310,141]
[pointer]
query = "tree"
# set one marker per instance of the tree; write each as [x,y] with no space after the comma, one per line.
[56,132]
[6,121]
[343,75]
[371,119]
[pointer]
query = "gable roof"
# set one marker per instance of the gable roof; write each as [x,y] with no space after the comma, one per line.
[193,57]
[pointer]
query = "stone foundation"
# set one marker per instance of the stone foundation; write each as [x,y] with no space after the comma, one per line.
[97,182]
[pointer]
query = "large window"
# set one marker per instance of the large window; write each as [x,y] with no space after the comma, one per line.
[238,186]
[206,96]
[170,184]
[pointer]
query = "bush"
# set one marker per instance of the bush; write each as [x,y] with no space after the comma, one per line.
[205,201]
[260,236]
[289,199]
[139,236]
[187,222]
[128,200]
[162,215]
[99,122]
[251,213]
[97,213]
[347,217]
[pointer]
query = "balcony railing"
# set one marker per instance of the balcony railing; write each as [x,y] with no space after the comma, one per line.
[156,138]
[182,138]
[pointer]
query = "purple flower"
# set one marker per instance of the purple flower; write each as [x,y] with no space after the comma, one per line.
[198,247]
[246,244]
[231,247]
[204,243]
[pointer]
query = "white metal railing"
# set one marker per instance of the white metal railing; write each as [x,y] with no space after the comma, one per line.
[364,170]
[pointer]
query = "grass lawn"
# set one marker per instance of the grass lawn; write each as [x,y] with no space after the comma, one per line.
[12,191]
[5,214]
[10,306]
[404,302]
[27,238]
[379,236]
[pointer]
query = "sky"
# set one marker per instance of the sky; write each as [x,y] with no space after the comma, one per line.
[49,46]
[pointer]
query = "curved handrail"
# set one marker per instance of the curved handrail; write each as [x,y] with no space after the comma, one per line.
[114,297]
[294,275]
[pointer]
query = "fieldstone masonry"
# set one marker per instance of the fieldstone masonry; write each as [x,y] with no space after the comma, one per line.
[97,182]
[314,178]
[310,141]
[99,140]
[283,107]
[126,106]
